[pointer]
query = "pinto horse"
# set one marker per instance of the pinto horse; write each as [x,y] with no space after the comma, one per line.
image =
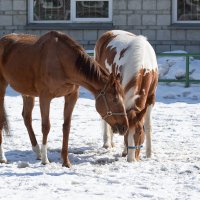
[136,61]
[51,66]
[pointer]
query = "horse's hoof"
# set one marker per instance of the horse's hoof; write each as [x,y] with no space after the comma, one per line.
[113,144]
[3,161]
[108,146]
[137,159]
[148,154]
[39,157]
[131,159]
[68,165]
[45,162]
[124,154]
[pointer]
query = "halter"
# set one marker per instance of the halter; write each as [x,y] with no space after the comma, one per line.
[108,112]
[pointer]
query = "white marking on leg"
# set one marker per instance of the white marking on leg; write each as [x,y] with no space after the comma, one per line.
[107,136]
[2,155]
[148,131]
[112,135]
[37,151]
[44,154]
[131,152]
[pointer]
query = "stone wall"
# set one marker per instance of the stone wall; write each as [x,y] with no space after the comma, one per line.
[12,16]
[152,18]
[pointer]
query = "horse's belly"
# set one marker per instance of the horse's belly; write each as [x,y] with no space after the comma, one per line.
[22,85]
[24,90]
[21,82]
[63,90]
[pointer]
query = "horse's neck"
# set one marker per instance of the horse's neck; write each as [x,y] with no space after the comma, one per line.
[92,76]
[94,86]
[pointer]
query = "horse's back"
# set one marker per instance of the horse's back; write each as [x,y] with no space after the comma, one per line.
[32,64]
[129,52]
[20,62]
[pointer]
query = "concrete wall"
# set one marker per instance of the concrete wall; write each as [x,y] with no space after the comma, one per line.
[152,18]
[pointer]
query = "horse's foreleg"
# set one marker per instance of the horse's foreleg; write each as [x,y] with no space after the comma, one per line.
[44,109]
[70,101]
[130,142]
[134,138]
[125,151]
[137,121]
[139,140]
[28,104]
[2,155]
[134,141]
[3,121]
[107,136]
[148,131]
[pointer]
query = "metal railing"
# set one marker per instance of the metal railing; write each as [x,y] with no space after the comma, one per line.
[187,79]
[187,56]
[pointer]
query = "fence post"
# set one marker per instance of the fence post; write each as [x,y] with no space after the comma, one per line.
[187,71]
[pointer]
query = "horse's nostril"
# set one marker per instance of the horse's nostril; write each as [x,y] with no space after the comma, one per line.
[121,129]
[114,129]
[124,129]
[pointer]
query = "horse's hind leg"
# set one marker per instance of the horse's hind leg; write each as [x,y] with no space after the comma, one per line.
[44,109]
[3,86]
[148,131]
[28,104]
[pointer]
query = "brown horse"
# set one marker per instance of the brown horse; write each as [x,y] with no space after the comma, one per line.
[51,66]
[136,60]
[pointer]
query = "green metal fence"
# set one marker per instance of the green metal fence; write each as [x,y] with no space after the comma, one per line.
[187,79]
[187,56]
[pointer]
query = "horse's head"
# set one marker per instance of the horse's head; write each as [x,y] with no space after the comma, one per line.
[110,104]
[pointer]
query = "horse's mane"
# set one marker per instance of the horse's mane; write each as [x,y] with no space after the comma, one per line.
[89,67]
[104,41]
[84,63]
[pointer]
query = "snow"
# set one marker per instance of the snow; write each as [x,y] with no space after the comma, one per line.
[174,67]
[172,173]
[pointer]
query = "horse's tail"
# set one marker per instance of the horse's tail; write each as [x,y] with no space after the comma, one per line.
[4,122]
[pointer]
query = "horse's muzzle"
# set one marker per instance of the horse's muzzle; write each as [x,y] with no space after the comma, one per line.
[121,129]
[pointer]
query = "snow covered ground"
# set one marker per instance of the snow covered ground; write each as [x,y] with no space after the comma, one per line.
[174,67]
[99,174]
